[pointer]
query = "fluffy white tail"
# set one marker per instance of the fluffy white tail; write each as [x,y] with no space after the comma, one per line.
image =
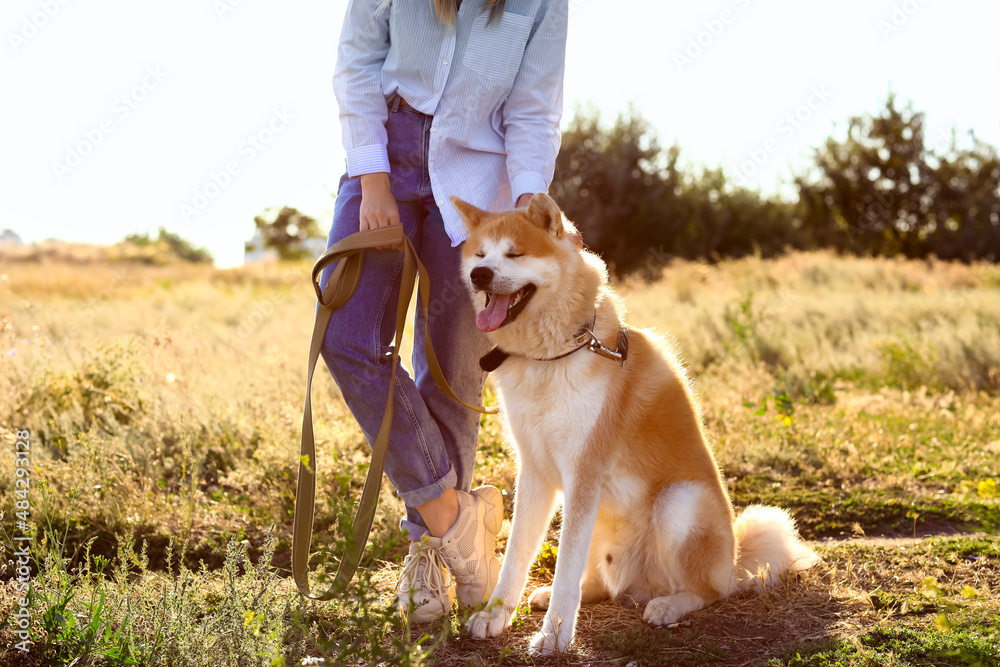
[769,547]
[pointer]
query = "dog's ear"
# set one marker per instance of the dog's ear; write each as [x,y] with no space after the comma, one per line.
[471,215]
[574,235]
[545,213]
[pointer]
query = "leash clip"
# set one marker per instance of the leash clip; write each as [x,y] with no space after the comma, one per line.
[597,347]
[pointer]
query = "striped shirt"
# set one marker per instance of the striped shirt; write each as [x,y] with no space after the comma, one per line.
[494,90]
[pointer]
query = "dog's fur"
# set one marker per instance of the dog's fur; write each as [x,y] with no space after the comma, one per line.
[646,515]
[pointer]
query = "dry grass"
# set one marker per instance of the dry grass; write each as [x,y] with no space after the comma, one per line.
[816,312]
[166,400]
[53,253]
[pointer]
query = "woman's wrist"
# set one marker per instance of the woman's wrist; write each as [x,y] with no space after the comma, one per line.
[375,180]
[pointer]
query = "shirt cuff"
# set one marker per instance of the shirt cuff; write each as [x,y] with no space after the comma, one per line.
[529,182]
[367,160]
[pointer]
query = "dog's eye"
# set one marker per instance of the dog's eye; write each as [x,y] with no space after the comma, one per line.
[480,254]
[512,255]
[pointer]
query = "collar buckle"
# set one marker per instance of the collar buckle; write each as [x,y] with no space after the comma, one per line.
[619,354]
[492,360]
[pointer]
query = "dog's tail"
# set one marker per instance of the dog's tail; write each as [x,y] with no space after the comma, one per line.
[769,547]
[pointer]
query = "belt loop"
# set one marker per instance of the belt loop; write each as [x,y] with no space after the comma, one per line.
[394,102]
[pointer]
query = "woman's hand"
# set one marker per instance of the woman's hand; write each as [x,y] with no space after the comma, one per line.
[524,200]
[378,206]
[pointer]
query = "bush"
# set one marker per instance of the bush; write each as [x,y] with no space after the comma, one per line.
[173,244]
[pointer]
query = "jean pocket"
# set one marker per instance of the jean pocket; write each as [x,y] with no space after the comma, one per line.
[494,51]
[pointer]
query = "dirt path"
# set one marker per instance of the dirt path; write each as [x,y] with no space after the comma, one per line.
[861,584]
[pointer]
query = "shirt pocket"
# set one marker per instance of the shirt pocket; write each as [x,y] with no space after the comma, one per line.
[495,50]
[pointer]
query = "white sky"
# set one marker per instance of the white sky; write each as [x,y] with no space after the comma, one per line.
[228,69]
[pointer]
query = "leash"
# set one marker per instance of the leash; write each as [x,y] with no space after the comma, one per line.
[343,281]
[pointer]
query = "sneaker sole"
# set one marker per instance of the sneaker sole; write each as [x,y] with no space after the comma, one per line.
[425,613]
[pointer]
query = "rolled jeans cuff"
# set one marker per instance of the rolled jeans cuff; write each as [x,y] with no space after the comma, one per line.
[432,491]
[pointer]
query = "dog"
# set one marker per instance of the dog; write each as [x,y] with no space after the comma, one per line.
[605,416]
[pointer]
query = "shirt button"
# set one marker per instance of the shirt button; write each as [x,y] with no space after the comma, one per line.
[440,202]
[433,129]
[445,62]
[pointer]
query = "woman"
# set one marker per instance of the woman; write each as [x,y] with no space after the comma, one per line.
[437,98]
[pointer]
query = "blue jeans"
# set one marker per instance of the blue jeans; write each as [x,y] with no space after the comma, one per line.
[432,447]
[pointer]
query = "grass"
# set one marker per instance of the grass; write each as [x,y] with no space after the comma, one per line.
[164,404]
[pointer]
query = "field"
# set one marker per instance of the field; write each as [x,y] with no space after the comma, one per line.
[164,404]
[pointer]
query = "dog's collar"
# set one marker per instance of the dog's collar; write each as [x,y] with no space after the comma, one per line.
[584,338]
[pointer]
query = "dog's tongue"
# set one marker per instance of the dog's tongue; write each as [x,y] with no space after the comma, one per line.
[491,317]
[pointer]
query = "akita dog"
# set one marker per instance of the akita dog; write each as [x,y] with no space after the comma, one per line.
[604,415]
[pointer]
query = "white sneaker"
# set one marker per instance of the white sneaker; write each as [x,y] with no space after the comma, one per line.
[469,548]
[426,582]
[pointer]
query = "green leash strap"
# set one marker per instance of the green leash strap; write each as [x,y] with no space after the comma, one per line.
[344,280]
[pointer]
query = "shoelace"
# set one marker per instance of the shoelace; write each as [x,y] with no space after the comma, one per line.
[436,581]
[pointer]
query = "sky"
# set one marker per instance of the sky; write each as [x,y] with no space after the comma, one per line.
[122,117]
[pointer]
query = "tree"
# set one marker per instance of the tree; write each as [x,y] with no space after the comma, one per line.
[636,207]
[286,230]
[173,244]
[610,184]
[882,191]
[965,219]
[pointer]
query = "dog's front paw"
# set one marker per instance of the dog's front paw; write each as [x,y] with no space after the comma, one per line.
[661,611]
[552,638]
[540,597]
[491,621]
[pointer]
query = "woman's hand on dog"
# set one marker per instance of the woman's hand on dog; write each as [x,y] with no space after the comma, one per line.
[378,206]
